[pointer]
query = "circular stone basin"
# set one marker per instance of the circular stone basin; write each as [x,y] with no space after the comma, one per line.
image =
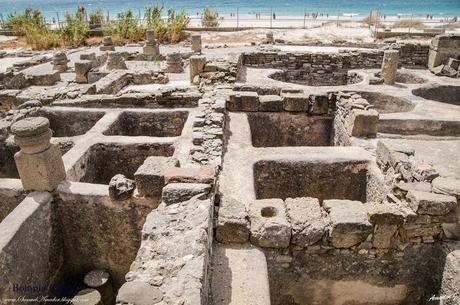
[440,93]
[302,77]
[385,103]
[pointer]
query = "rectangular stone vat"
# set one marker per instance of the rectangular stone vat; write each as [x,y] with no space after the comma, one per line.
[103,161]
[277,129]
[151,124]
[70,123]
[318,179]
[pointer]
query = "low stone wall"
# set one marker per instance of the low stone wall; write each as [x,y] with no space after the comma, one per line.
[11,194]
[411,56]
[31,259]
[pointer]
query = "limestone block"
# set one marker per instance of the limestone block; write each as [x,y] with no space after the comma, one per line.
[363,123]
[139,293]
[269,38]
[196,43]
[295,102]
[446,41]
[307,220]
[383,236]
[197,64]
[243,101]
[149,177]
[269,225]
[82,68]
[151,50]
[87,297]
[318,104]
[179,192]
[447,186]
[270,103]
[233,222]
[41,171]
[349,224]
[384,214]
[121,188]
[202,174]
[431,203]
[100,280]
[107,48]
[115,61]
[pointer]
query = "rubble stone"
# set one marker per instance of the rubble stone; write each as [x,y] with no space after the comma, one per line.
[179,192]
[431,203]
[121,188]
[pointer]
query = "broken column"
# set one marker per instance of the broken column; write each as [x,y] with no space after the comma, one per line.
[60,61]
[115,62]
[39,162]
[82,68]
[100,280]
[107,44]
[197,64]
[174,63]
[390,66]
[196,43]
[151,47]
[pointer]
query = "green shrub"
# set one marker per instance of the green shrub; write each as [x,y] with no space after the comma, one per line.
[96,18]
[210,18]
[170,30]
[408,23]
[126,27]
[75,31]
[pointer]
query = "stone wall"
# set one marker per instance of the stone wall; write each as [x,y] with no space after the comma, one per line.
[11,194]
[99,233]
[320,65]
[31,258]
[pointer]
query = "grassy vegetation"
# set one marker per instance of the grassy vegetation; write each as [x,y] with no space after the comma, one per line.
[210,18]
[96,18]
[372,21]
[415,24]
[126,28]
[170,30]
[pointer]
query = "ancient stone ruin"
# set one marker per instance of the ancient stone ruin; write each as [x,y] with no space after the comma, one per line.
[271,174]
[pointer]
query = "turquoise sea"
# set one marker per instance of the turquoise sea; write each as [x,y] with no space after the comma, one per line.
[437,8]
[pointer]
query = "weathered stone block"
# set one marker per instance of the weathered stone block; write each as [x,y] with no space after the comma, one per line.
[295,102]
[318,104]
[149,176]
[269,225]
[384,214]
[363,123]
[307,220]
[202,174]
[431,203]
[82,68]
[87,297]
[383,236]
[243,101]
[233,222]
[270,103]
[139,293]
[349,224]
[179,192]
[121,188]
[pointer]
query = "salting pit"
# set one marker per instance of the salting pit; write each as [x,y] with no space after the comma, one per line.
[302,218]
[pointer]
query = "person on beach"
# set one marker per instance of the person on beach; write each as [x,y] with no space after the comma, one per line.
[274,16]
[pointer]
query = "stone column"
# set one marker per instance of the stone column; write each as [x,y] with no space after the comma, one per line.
[151,47]
[107,44]
[60,61]
[39,162]
[390,66]
[100,280]
[174,63]
[197,64]
[87,297]
[196,43]
[115,62]
[270,39]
